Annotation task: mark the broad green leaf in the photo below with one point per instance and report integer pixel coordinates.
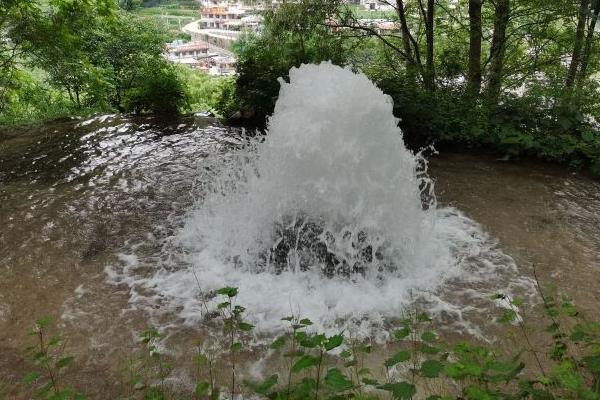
(429, 336)
(236, 346)
(44, 321)
(370, 382)
(306, 361)
(54, 340)
(346, 354)
(427, 349)
(245, 327)
(266, 385)
(202, 389)
(333, 342)
(223, 305)
(31, 377)
(64, 362)
(154, 394)
(336, 381)
(508, 316)
(228, 291)
(592, 363)
(305, 389)
(431, 368)
(401, 390)
(402, 333)
(399, 357)
(278, 343)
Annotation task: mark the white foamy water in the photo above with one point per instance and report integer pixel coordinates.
(330, 218)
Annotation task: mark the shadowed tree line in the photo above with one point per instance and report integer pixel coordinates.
(518, 75)
(66, 56)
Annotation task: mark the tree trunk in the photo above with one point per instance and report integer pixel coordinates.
(429, 77)
(475, 35)
(578, 46)
(498, 51)
(589, 41)
(411, 47)
(405, 32)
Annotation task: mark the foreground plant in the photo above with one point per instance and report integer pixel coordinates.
(322, 367)
(48, 354)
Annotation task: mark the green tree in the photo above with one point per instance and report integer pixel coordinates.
(293, 34)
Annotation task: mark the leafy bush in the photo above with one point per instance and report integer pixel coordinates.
(158, 90)
(292, 35)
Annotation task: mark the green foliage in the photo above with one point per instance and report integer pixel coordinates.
(293, 34)
(48, 355)
(206, 93)
(332, 367)
(70, 58)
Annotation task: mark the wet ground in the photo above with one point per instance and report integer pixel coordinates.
(73, 194)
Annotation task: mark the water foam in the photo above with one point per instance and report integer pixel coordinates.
(330, 218)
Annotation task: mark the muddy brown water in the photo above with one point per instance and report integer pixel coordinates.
(73, 193)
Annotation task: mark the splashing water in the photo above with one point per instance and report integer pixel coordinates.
(329, 218)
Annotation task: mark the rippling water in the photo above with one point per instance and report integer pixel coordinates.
(80, 198)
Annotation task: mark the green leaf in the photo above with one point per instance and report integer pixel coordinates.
(429, 336)
(154, 394)
(54, 340)
(427, 349)
(508, 316)
(459, 371)
(311, 342)
(304, 362)
(202, 389)
(288, 319)
(237, 346)
(333, 342)
(267, 384)
(305, 389)
(592, 363)
(400, 391)
(399, 357)
(306, 322)
(31, 377)
(578, 335)
(402, 333)
(43, 322)
(336, 381)
(370, 382)
(278, 343)
(477, 393)
(64, 362)
(431, 368)
(228, 291)
(367, 349)
(223, 305)
(346, 354)
(245, 327)
(517, 302)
